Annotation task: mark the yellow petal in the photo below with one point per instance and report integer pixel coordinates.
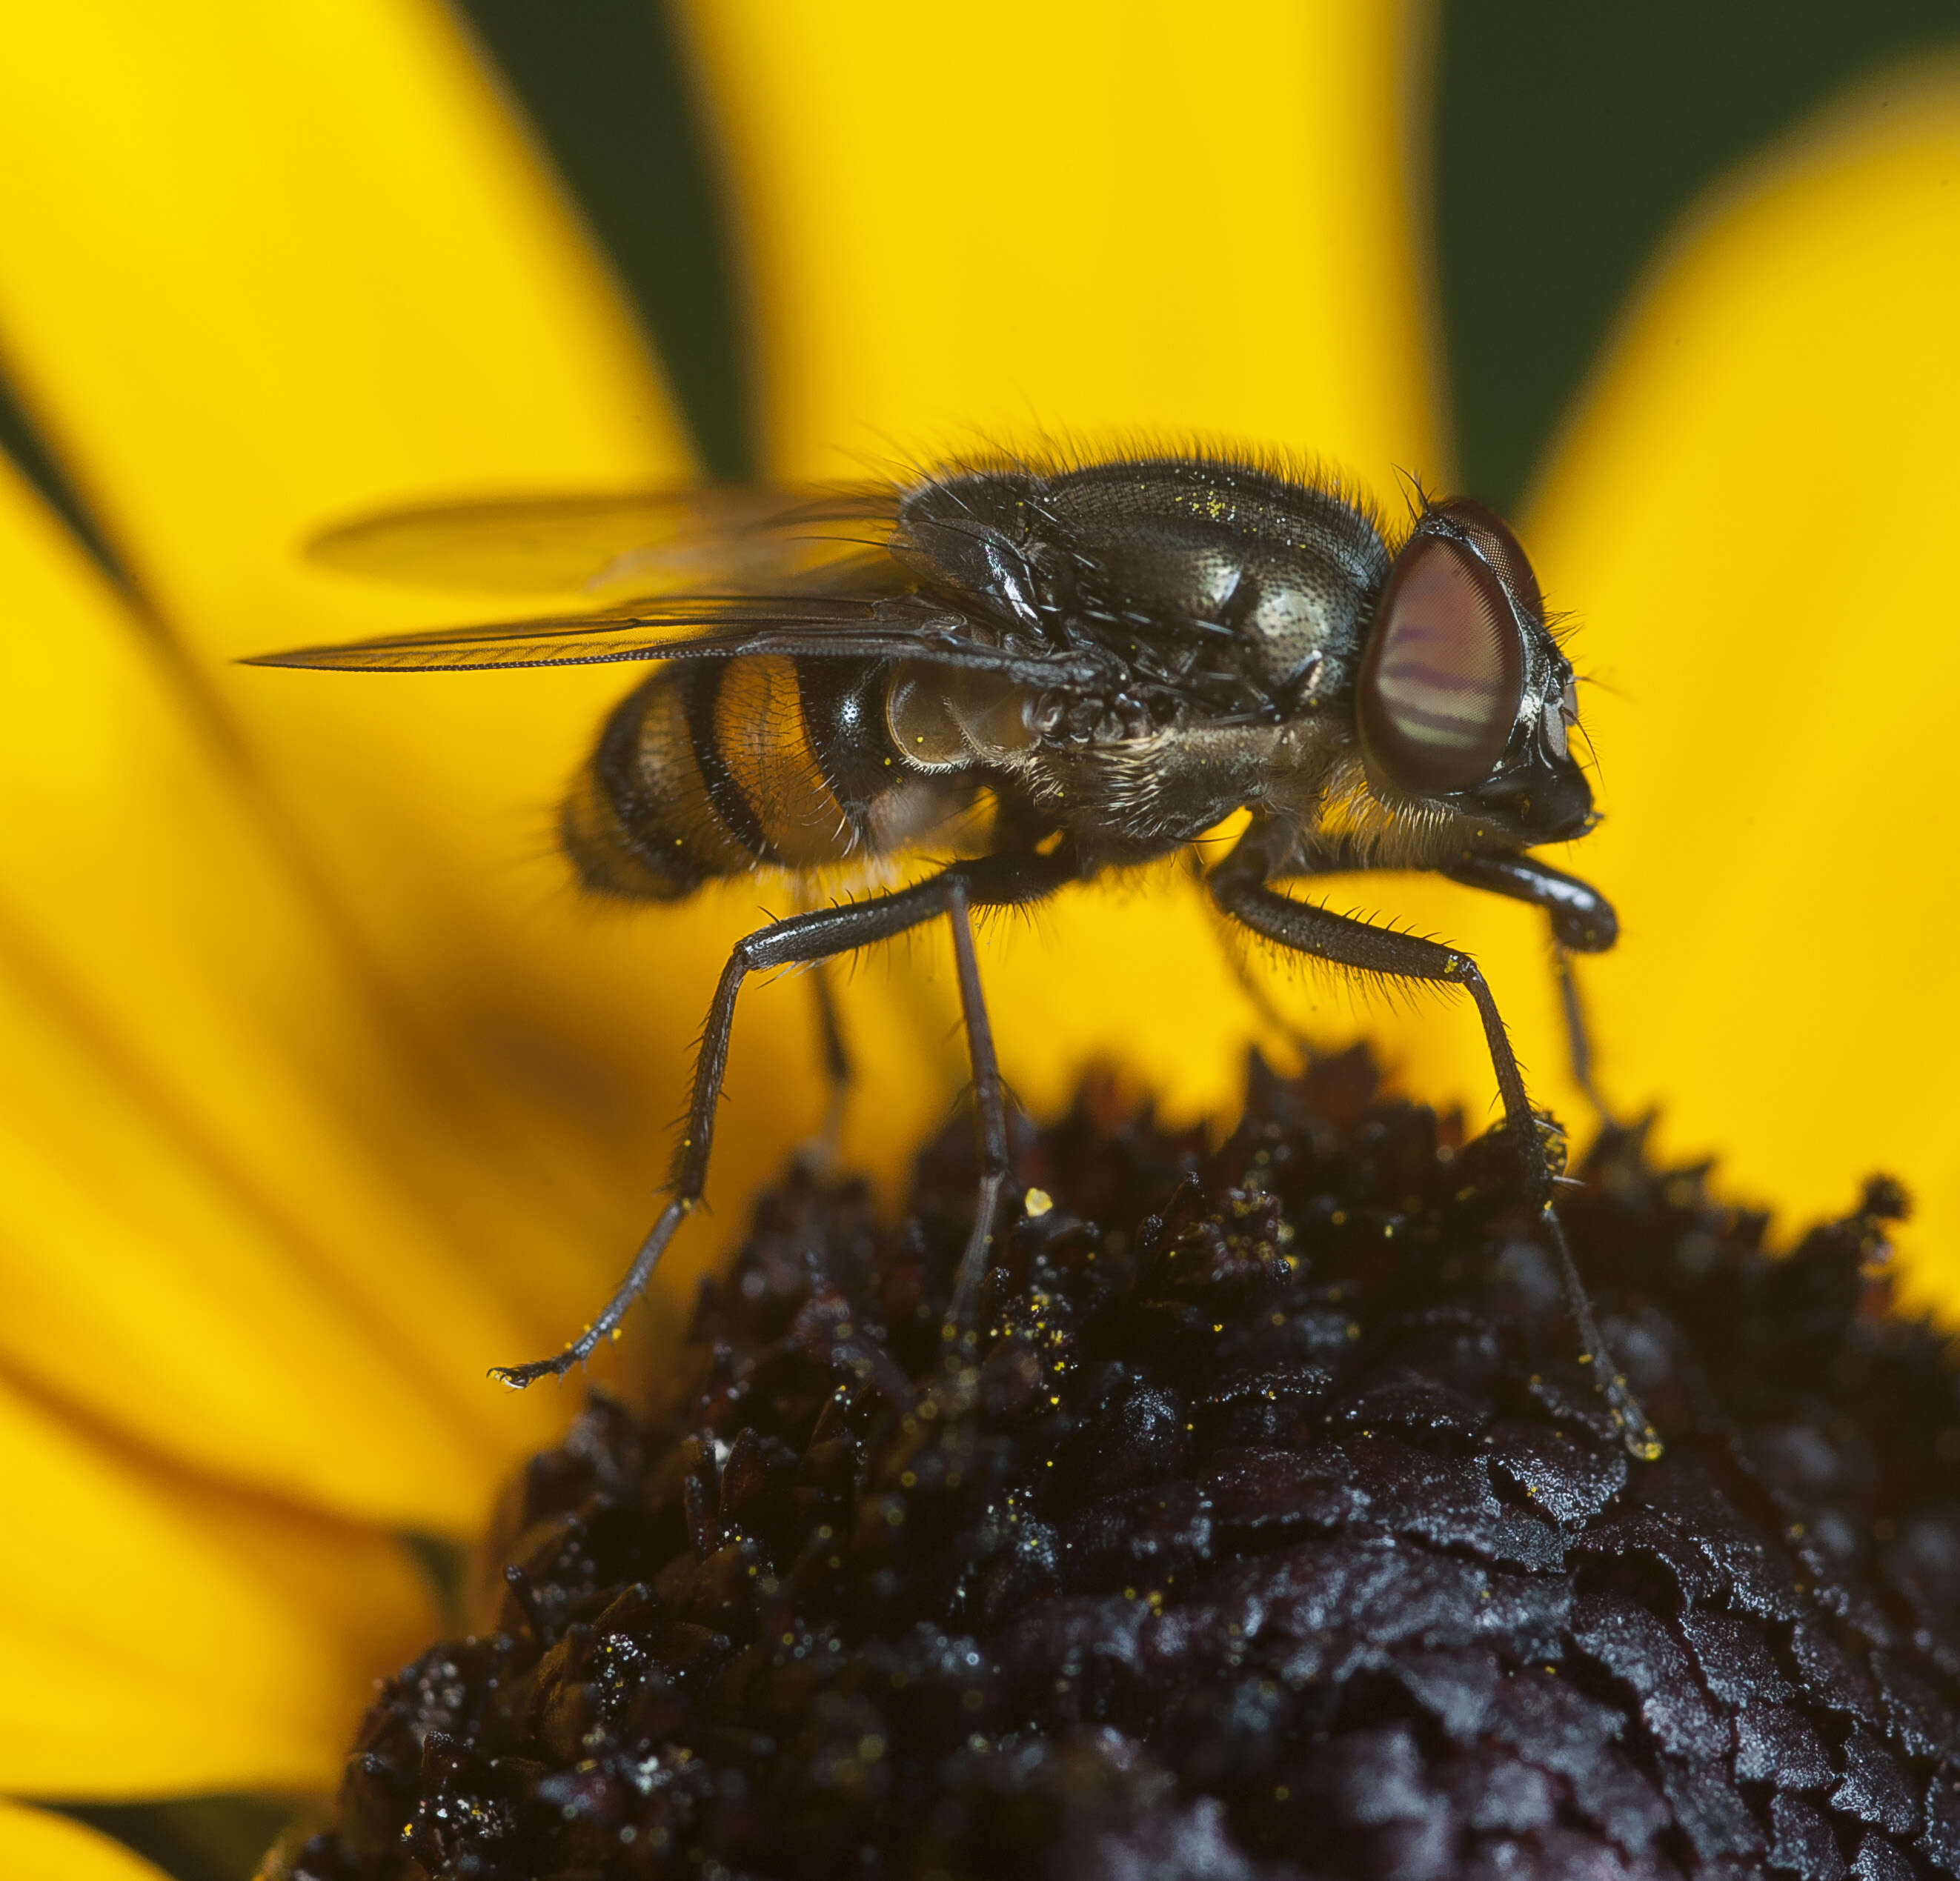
(1753, 516)
(1104, 220)
(34, 1843)
(270, 267)
(162, 1635)
(1114, 224)
(267, 268)
(236, 1223)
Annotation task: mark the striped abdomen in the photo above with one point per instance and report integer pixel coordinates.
(714, 769)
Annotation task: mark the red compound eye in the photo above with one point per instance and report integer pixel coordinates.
(1493, 538)
(1443, 672)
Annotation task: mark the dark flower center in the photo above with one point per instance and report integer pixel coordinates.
(1274, 1531)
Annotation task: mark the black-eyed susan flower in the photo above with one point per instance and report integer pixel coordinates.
(323, 1095)
(1279, 1531)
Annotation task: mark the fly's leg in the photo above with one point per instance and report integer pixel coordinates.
(1240, 887)
(990, 1114)
(802, 940)
(1259, 995)
(1578, 1037)
(1583, 922)
(1582, 919)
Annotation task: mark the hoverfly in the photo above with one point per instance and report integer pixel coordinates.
(1038, 674)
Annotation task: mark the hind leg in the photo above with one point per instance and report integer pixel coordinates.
(807, 939)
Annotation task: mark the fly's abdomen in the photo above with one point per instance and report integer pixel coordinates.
(640, 820)
(712, 770)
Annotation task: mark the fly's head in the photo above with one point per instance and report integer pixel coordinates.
(1464, 705)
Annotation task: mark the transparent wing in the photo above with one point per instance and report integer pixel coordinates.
(701, 627)
(715, 535)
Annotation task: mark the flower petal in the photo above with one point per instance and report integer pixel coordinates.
(1119, 224)
(1106, 221)
(264, 268)
(1753, 515)
(270, 267)
(160, 1634)
(33, 1842)
(236, 1224)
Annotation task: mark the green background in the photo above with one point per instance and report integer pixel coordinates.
(1568, 137)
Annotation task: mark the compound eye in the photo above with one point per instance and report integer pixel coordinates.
(1444, 671)
(1500, 547)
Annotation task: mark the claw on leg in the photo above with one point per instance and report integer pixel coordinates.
(610, 1315)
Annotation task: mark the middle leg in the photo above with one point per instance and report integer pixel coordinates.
(1243, 891)
(1583, 922)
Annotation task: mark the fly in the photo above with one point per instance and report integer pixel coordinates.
(1040, 673)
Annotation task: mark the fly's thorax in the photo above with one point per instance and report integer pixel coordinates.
(1130, 799)
(1121, 798)
(1175, 565)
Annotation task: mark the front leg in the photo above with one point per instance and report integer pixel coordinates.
(1582, 918)
(1241, 886)
(1583, 922)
